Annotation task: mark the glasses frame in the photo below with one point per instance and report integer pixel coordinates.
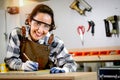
(40, 22)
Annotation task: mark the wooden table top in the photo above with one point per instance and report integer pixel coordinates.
(44, 75)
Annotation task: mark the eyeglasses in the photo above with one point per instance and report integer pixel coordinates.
(39, 23)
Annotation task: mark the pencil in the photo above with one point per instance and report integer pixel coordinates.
(26, 56)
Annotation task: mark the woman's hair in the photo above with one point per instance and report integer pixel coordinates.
(44, 9)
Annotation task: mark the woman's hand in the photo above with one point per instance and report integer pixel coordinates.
(30, 66)
(56, 70)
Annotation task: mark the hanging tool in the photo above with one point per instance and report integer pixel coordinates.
(107, 28)
(115, 27)
(81, 31)
(91, 25)
(86, 6)
(75, 6)
(114, 21)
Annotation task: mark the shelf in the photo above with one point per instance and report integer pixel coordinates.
(101, 58)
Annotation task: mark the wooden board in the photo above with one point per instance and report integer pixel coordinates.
(44, 75)
(105, 58)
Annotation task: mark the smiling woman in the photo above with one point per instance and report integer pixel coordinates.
(34, 47)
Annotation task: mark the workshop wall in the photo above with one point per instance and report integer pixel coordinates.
(67, 21)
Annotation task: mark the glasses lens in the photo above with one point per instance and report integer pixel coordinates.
(39, 23)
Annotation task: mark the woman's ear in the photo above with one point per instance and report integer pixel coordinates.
(29, 22)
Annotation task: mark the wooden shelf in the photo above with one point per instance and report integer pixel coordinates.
(101, 58)
(112, 56)
(95, 49)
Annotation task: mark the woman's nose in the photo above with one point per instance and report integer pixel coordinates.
(41, 28)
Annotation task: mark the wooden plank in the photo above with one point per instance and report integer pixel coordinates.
(96, 58)
(95, 49)
(60, 76)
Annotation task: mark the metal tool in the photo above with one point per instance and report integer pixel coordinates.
(81, 31)
(114, 21)
(75, 6)
(107, 28)
(86, 6)
(91, 25)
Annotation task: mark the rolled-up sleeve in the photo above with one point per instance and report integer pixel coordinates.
(13, 51)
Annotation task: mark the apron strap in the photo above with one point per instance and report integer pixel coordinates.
(23, 31)
(50, 40)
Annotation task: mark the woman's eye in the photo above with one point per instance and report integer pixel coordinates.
(38, 23)
(47, 26)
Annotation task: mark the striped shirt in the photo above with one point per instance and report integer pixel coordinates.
(58, 54)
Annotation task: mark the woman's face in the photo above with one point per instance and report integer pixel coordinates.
(40, 26)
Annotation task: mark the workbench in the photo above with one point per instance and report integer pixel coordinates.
(45, 75)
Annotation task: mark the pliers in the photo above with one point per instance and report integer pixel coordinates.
(91, 25)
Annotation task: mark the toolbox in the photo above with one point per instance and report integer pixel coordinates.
(109, 73)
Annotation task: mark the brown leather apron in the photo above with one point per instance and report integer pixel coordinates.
(34, 51)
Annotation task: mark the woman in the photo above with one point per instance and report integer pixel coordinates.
(38, 32)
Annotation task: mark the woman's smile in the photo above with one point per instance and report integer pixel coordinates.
(38, 34)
